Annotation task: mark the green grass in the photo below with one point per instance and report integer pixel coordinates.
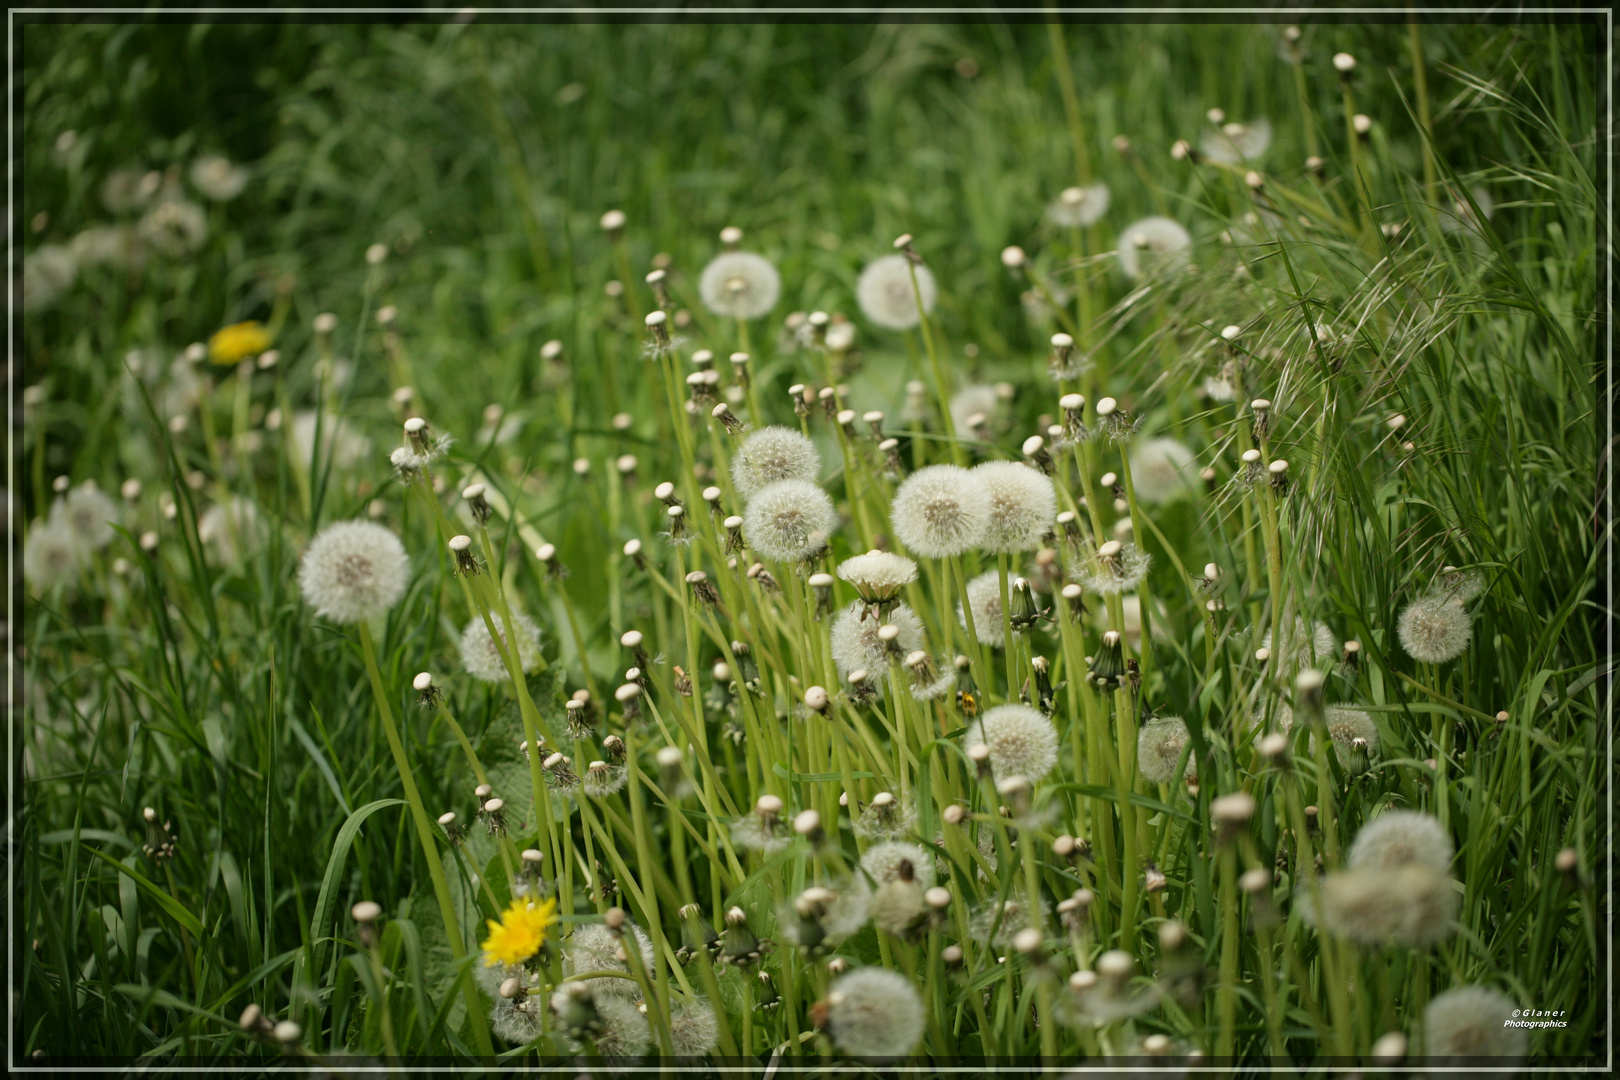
(203, 686)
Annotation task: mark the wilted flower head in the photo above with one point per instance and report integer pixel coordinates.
(941, 511)
(480, 656)
(1398, 837)
(1472, 1021)
(1154, 244)
(1023, 504)
(1079, 206)
(1162, 470)
(771, 454)
(1022, 742)
(52, 554)
(90, 513)
(1234, 144)
(1159, 747)
(354, 570)
(217, 178)
(874, 1013)
(886, 296)
(596, 948)
(1115, 568)
(984, 598)
(857, 645)
(970, 401)
(1434, 628)
(878, 576)
(789, 520)
(740, 285)
(895, 860)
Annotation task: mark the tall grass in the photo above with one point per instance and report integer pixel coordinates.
(192, 678)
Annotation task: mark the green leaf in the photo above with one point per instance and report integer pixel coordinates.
(334, 867)
(168, 903)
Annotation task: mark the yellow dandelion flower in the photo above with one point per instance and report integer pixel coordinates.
(238, 342)
(520, 933)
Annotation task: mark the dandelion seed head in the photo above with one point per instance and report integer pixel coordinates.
(884, 862)
(740, 285)
(1309, 644)
(941, 511)
(596, 948)
(353, 570)
(233, 528)
(480, 657)
(874, 1013)
(856, 643)
(984, 598)
(886, 818)
(217, 178)
(1117, 567)
(771, 454)
(1345, 725)
(1162, 470)
(878, 575)
(1159, 747)
(1153, 244)
(1234, 143)
(52, 555)
(1471, 1021)
(1015, 918)
(897, 907)
(885, 293)
(1411, 904)
(515, 1022)
(789, 520)
(975, 399)
(1398, 837)
(1434, 629)
(693, 1029)
(1022, 742)
(1023, 504)
(1078, 207)
(90, 513)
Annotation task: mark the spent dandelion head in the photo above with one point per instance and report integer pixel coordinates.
(878, 576)
(789, 520)
(740, 285)
(1023, 504)
(353, 570)
(885, 292)
(941, 511)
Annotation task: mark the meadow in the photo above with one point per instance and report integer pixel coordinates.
(861, 544)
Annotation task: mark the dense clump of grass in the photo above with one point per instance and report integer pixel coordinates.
(1243, 698)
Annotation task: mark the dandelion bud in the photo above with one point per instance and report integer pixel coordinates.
(1316, 166)
(816, 699)
(1181, 150)
(1075, 596)
(1230, 813)
(253, 1019)
(1027, 941)
(808, 823)
(1254, 180)
(1255, 881)
(1023, 613)
(511, 988)
(955, 814)
(874, 424)
(1344, 63)
(447, 819)
(657, 326)
(288, 1031)
(1108, 667)
(149, 814)
(1362, 123)
(1013, 257)
(1274, 747)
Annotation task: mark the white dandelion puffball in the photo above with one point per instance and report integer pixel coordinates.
(1407, 905)
(354, 570)
(625, 1032)
(885, 862)
(856, 644)
(1159, 747)
(693, 1029)
(1397, 837)
(940, 511)
(874, 1013)
(1234, 144)
(52, 555)
(973, 400)
(1311, 647)
(1115, 568)
(479, 655)
(90, 513)
(1154, 244)
(789, 520)
(1434, 628)
(347, 448)
(886, 296)
(514, 1023)
(1023, 505)
(48, 272)
(1345, 726)
(233, 528)
(984, 597)
(1471, 1021)
(1162, 470)
(594, 947)
(174, 228)
(740, 285)
(1077, 207)
(217, 178)
(878, 575)
(898, 907)
(771, 454)
(1022, 742)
